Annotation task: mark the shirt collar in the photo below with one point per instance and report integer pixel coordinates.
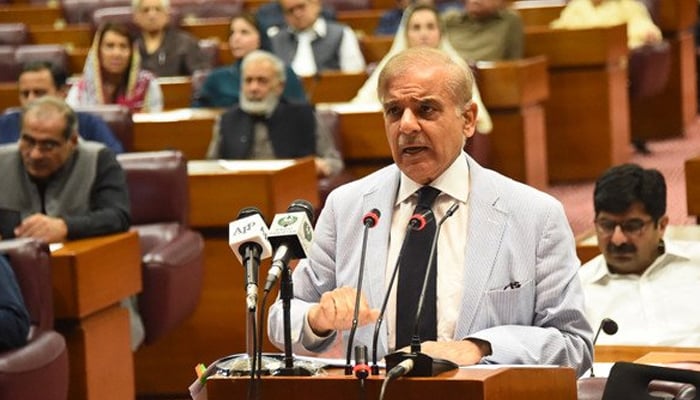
(451, 182)
(318, 29)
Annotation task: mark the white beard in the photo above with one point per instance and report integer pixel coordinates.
(260, 107)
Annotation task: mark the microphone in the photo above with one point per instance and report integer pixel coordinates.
(424, 365)
(361, 368)
(416, 223)
(369, 220)
(291, 234)
(607, 325)
(247, 237)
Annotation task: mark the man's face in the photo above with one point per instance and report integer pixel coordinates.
(35, 84)
(630, 252)
(151, 16)
(42, 143)
(425, 127)
(300, 14)
(482, 8)
(115, 53)
(261, 87)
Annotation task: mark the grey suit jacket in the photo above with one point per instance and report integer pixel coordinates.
(515, 233)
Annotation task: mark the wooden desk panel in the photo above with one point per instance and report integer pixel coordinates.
(71, 35)
(363, 22)
(538, 13)
(374, 48)
(677, 15)
(187, 130)
(90, 277)
(608, 353)
(587, 77)
(9, 95)
(333, 87)
(488, 384)
(218, 28)
(217, 194)
(177, 92)
(692, 186)
(31, 14)
(671, 357)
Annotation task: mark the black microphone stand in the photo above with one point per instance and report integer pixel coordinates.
(423, 364)
(286, 295)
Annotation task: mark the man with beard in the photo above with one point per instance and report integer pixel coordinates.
(264, 125)
(642, 281)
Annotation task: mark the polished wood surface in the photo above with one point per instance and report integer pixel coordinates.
(374, 48)
(90, 277)
(333, 86)
(188, 130)
(514, 93)
(363, 22)
(218, 28)
(610, 353)
(31, 14)
(538, 12)
(503, 383)
(71, 35)
(177, 92)
(9, 95)
(692, 186)
(671, 357)
(268, 185)
(588, 107)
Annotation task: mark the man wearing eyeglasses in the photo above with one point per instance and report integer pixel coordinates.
(63, 188)
(641, 280)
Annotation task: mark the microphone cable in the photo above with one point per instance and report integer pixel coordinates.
(400, 369)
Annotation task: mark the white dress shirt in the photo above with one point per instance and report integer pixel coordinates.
(656, 308)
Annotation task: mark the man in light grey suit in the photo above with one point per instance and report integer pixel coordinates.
(507, 289)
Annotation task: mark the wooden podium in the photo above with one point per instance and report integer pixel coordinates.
(504, 383)
(90, 277)
(218, 191)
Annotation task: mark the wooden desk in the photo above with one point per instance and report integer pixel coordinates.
(71, 35)
(475, 384)
(670, 357)
(333, 86)
(692, 186)
(588, 107)
(374, 48)
(188, 130)
(177, 92)
(363, 22)
(514, 93)
(269, 185)
(218, 28)
(609, 353)
(31, 14)
(218, 325)
(538, 12)
(90, 278)
(9, 95)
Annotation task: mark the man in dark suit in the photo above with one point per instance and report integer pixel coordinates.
(14, 318)
(264, 125)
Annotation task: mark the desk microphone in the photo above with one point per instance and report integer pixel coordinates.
(369, 220)
(416, 223)
(247, 237)
(424, 365)
(290, 234)
(608, 326)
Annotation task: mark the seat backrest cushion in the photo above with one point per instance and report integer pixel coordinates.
(158, 186)
(118, 118)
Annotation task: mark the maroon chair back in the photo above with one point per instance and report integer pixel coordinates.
(54, 53)
(13, 34)
(80, 11)
(9, 69)
(39, 369)
(118, 118)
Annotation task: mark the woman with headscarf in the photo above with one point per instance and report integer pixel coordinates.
(421, 26)
(113, 74)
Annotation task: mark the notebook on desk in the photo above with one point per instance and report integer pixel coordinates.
(9, 219)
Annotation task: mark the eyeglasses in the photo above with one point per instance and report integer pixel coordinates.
(43, 145)
(630, 227)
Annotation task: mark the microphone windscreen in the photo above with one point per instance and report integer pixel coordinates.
(609, 326)
(371, 218)
(301, 205)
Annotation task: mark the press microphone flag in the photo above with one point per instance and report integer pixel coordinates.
(248, 241)
(291, 235)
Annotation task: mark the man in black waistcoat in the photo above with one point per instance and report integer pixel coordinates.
(264, 125)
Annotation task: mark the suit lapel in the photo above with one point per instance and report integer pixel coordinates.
(486, 227)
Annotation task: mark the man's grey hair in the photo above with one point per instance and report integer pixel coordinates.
(47, 105)
(262, 55)
(135, 4)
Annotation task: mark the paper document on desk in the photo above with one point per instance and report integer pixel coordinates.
(257, 165)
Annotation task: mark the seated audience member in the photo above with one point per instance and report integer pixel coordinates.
(312, 44)
(269, 18)
(421, 27)
(391, 19)
(641, 280)
(64, 188)
(41, 78)
(222, 86)
(14, 318)
(265, 125)
(113, 74)
(505, 289)
(486, 30)
(579, 14)
(165, 49)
